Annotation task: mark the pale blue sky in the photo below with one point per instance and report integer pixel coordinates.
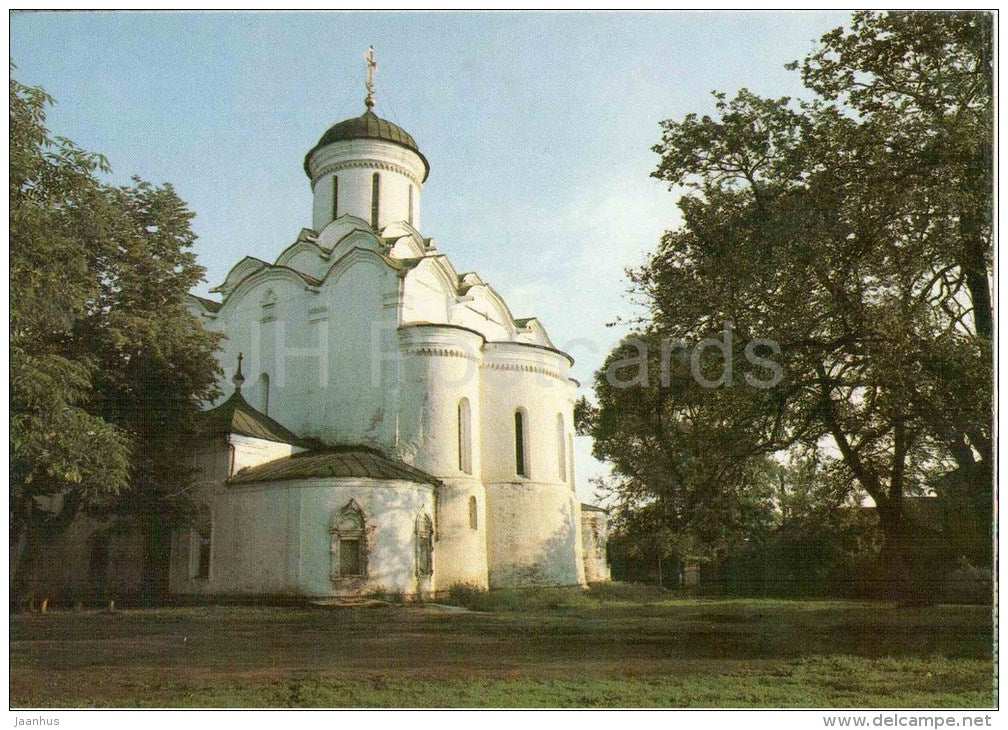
(538, 128)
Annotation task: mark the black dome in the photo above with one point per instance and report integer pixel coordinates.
(368, 126)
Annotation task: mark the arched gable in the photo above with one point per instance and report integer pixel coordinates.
(468, 280)
(243, 269)
(406, 247)
(483, 301)
(406, 240)
(357, 238)
(530, 330)
(305, 256)
(277, 274)
(440, 267)
(332, 234)
(429, 290)
(351, 258)
(200, 306)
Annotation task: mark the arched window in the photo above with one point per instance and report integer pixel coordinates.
(570, 459)
(374, 200)
(347, 555)
(203, 570)
(561, 446)
(335, 197)
(264, 393)
(410, 205)
(464, 437)
(473, 523)
(424, 545)
(521, 450)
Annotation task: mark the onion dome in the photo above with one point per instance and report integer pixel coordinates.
(368, 126)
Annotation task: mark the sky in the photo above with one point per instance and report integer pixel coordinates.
(538, 128)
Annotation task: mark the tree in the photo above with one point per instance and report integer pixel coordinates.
(683, 480)
(107, 366)
(853, 232)
(825, 540)
(925, 80)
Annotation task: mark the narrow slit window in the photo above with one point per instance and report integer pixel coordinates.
(473, 517)
(203, 566)
(411, 205)
(464, 436)
(335, 197)
(570, 460)
(264, 392)
(425, 545)
(375, 187)
(521, 465)
(561, 442)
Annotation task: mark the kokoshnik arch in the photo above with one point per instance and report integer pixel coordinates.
(328, 471)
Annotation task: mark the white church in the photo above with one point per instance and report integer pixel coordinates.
(386, 424)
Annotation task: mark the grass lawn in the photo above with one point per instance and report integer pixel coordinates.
(614, 646)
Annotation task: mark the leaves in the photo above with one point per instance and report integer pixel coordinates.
(108, 368)
(854, 232)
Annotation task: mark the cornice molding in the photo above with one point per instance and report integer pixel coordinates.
(442, 352)
(369, 163)
(524, 369)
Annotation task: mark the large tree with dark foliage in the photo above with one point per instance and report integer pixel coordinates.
(853, 230)
(108, 368)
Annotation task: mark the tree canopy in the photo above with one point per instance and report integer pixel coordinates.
(108, 367)
(853, 231)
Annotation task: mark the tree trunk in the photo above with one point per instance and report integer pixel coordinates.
(898, 570)
(895, 566)
(975, 247)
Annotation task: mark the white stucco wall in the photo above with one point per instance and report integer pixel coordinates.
(440, 366)
(274, 538)
(249, 452)
(318, 347)
(214, 460)
(533, 535)
(461, 547)
(533, 521)
(534, 379)
(426, 295)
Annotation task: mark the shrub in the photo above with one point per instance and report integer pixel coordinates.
(519, 599)
(468, 596)
(632, 592)
(380, 594)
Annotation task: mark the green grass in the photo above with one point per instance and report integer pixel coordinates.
(613, 646)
